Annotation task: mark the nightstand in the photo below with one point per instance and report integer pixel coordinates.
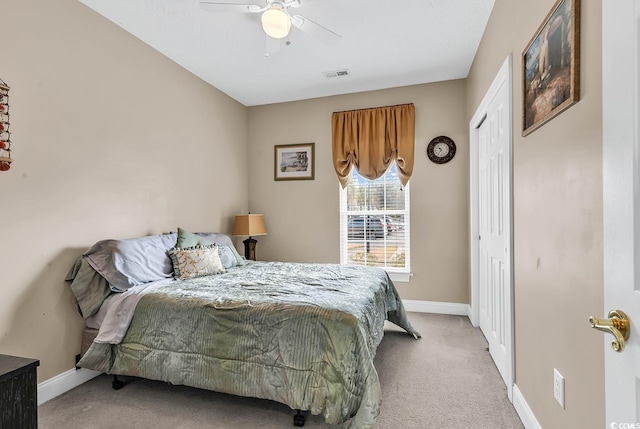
(18, 392)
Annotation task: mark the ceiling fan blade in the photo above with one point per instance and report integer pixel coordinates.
(292, 3)
(230, 7)
(308, 26)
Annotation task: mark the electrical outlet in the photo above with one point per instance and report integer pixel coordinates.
(558, 387)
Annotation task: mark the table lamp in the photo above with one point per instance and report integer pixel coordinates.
(249, 224)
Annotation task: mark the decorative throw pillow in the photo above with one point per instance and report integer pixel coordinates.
(189, 239)
(196, 262)
(239, 260)
(226, 256)
(228, 253)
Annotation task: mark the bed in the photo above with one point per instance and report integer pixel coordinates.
(304, 335)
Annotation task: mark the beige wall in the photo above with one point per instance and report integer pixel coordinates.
(107, 134)
(557, 176)
(302, 217)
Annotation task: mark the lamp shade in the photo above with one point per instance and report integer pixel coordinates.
(276, 23)
(249, 224)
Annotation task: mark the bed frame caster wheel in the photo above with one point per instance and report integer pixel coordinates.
(298, 419)
(117, 384)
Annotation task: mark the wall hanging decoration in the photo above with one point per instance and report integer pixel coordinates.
(441, 149)
(5, 134)
(551, 66)
(294, 162)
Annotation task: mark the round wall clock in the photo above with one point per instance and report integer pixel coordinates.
(441, 149)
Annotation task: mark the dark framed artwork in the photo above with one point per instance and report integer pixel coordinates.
(294, 162)
(5, 134)
(551, 66)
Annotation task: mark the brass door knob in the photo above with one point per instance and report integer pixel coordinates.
(617, 324)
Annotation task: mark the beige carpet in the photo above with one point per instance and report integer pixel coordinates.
(445, 380)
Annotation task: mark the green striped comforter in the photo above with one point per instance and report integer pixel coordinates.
(301, 334)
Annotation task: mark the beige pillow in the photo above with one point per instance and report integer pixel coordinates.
(196, 262)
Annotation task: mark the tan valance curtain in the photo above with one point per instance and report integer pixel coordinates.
(371, 139)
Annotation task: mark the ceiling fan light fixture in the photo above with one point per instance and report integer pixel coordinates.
(276, 23)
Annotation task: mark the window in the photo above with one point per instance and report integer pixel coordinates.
(374, 223)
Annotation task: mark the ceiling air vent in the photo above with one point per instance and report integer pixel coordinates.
(337, 73)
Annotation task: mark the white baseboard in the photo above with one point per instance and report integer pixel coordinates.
(522, 408)
(61, 383)
(452, 308)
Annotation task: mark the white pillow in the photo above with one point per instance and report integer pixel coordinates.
(196, 262)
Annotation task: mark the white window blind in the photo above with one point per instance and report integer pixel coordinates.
(375, 224)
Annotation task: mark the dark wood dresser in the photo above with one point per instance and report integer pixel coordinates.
(18, 392)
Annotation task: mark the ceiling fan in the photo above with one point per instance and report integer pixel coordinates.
(276, 19)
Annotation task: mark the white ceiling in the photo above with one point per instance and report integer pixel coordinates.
(384, 44)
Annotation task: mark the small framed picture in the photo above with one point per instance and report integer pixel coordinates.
(294, 162)
(551, 66)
